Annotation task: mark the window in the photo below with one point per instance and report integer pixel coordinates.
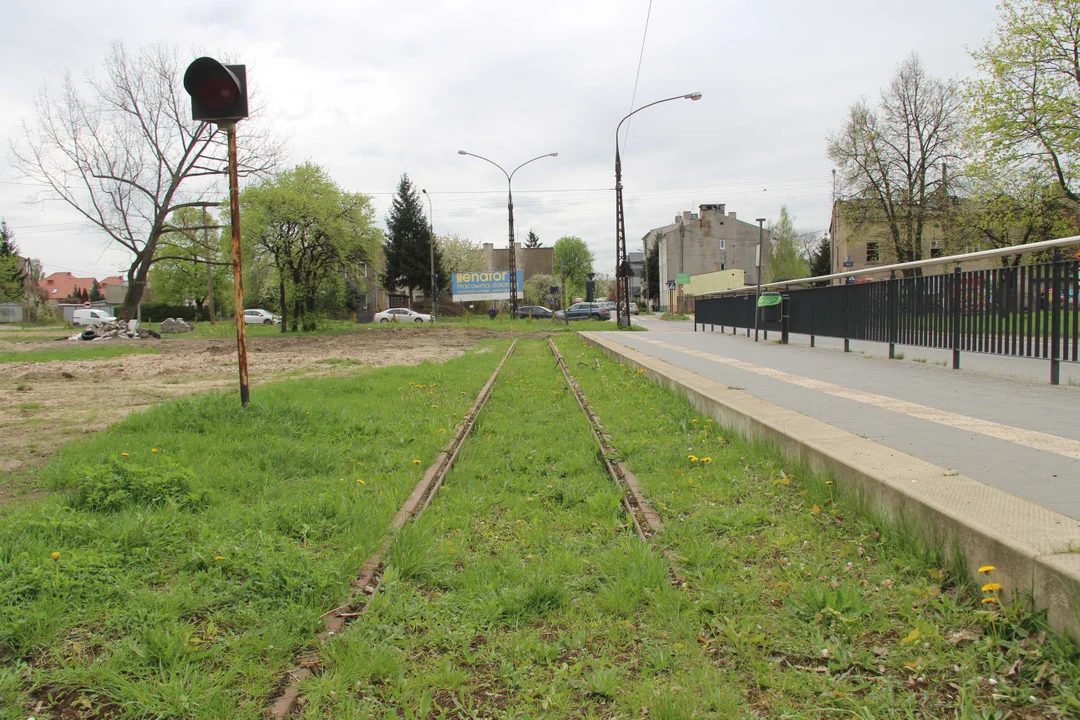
(872, 252)
(935, 249)
(723, 244)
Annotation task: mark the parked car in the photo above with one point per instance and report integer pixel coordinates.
(254, 316)
(536, 311)
(90, 317)
(401, 315)
(584, 311)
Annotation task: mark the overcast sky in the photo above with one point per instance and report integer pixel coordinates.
(373, 89)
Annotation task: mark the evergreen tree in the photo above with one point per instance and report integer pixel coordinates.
(95, 291)
(532, 241)
(408, 244)
(652, 258)
(821, 259)
(11, 277)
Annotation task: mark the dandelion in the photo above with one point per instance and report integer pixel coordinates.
(991, 587)
(692, 458)
(442, 430)
(434, 407)
(706, 460)
(55, 556)
(361, 481)
(693, 421)
(153, 449)
(56, 566)
(462, 392)
(990, 599)
(987, 568)
(416, 462)
(828, 482)
(219, 558)
(123, 454)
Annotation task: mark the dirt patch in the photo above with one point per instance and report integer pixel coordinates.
(44, 405)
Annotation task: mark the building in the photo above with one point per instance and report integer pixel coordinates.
(530, 261)
(637, 280)
(706, 242)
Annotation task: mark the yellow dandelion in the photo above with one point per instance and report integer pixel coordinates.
(361, 481)
(55, 556)
(828, 482)
(987, 568)
(990, 599)
(442, 430)
(692, 458)
(991, 587)
(123, 454)
(219, 558)
(706, 460)
(399, 388)
(693, 421)
(462, 392)
(416, 462)
(153, 449)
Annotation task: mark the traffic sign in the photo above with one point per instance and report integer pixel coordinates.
(848, 263)
(671, 285)
(682, 278)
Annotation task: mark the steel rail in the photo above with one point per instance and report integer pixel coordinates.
(369, 578)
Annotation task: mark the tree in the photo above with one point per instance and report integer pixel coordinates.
(460, 254)
(180, 272)
(11, 275)
(314, 232)
(893, 158)
(538, 287)
(1025, 104)
(652, 258)
(121, 150)
(785, 260)
(573, 261)
(821, 258)
(532, 240)
(408, 243)
(95, 291)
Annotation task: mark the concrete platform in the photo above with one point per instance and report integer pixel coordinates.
(1035, 549)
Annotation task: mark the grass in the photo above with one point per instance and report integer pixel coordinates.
(815, 607)
(523, 591)
(197, 543)
(674, 316)
(79, 351)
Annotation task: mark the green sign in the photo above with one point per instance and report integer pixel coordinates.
(682, 278)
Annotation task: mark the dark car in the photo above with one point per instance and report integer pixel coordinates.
(584, 311)
(536, 311)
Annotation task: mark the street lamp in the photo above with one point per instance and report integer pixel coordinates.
(757, 263)
(431, 248)
(510, 208)
(622, 262)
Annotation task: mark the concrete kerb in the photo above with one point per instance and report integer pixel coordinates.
(1036, 551)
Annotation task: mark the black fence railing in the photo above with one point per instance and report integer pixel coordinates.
(1025, 311)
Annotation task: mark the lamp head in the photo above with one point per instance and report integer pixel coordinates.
(693, 96)
(554, 155)
(462, 152)
(423, 191)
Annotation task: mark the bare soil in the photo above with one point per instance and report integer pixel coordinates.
(44, 405)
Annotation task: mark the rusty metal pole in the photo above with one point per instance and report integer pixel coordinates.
(238, 277)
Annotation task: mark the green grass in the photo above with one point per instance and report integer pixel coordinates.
(815, 607)
(674, 316)
(523, 591)
(200, 542)
(79, 351)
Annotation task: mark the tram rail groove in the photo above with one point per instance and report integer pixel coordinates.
(646, 520)
(369, 578)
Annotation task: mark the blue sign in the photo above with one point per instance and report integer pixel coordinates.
(484, 285)
(848, 263)
(671, 285)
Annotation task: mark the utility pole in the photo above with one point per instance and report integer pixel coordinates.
(645, 290)
(431, 251)
(757, 263)
(209, 269)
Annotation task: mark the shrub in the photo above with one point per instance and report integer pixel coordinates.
(115, 485)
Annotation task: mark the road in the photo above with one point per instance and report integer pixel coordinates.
(1020, 435)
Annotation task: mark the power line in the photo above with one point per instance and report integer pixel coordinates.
(641, 55)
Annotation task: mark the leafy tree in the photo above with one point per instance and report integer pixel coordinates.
(532, 241)
(180, 273)
(460, 254)
(314, 233)
(893, 157)
(537, 288)
(821, 258)
(573, 261)
(121, 150)
(785, 261)
(408, 243)
(11, 276)
(1025, 104)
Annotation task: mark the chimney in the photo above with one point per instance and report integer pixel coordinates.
(489, 247)
(732, 215)
(686, 216)
(517, 246)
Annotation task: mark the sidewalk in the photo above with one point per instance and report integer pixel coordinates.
(1019, 435)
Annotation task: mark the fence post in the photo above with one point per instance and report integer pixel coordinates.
(784, 320)
(844, 313)
(1055, 321)
(956, 319)
(891, 299)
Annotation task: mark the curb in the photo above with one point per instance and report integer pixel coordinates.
(1036, 551)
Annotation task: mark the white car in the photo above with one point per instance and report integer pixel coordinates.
(260, 317)
(90, 317)
(401, 315)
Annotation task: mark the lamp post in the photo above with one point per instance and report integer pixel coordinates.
(431, 249)
(757, 263)
(622, 262)
(510, 209)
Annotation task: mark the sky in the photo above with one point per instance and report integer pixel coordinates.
(373, 89)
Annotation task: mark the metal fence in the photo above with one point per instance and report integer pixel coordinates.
(1025, 311)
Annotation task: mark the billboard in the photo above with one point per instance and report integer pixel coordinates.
(484, 285)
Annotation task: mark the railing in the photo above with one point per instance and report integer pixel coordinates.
(1024, 311)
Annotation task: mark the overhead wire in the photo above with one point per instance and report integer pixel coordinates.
(637, 76)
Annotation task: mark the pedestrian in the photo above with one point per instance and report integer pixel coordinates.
(491, 312)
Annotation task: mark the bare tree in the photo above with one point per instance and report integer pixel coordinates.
(122, 150)
(894, 158)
